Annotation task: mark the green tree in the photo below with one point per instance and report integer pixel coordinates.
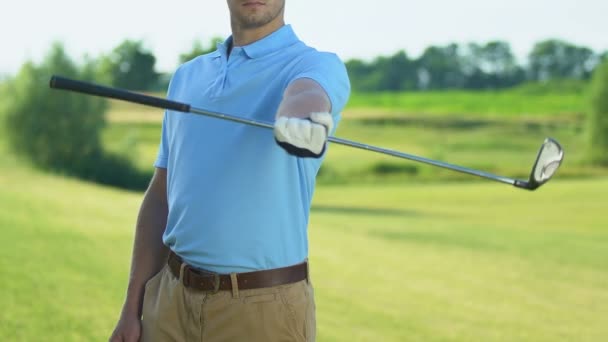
(199, 49)
(54, 130)
(131, 66)
(397, 72)
(492, 65)
(603, 57)
(597, 124)
(441, 67)
(359, 73)
(61, 131)
(393, 73)
(557, 59)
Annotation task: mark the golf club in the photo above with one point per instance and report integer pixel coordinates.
(548, 160)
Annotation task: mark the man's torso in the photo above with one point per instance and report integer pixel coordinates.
(237, 201)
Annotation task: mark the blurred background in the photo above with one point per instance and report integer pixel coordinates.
(400, 251)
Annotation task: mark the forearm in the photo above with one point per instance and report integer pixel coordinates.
(302, 104)
(149, 252)
(303, 97)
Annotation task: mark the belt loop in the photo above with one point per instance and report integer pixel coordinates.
(182, 273)
(235, 285)
(307, 271)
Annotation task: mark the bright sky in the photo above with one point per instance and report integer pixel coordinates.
(351, 28)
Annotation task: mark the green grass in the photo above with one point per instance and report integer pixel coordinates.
(461, 263)
(60, 267)
(525, 101)
(136, 140)
(486, 103)
(507, 148)
(390, 263)
(399, 251)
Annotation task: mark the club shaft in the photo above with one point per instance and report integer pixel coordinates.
(222, 116)
(366, 147)
(58, 82)
(423, 160)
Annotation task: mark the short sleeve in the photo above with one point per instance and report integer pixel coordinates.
(162, 157)
(330, 72)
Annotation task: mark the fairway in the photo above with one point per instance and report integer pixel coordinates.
(445, 181)
(399, 251)
(472, 262)
(440, 262)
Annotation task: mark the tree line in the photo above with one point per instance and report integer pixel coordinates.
(61, 131)
(132, 66)
(473, 66)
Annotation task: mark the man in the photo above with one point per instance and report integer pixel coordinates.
(221, 246)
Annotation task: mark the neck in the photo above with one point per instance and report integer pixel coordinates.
(245, 36)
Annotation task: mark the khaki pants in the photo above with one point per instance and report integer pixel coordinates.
(172, 312)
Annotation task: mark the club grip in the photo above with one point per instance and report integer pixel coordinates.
(58, 82)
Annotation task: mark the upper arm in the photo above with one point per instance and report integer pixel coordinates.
(324, 72)
(158, 185)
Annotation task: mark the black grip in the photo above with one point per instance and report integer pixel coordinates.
(59, 82)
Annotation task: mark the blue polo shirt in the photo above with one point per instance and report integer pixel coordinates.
(237, 201)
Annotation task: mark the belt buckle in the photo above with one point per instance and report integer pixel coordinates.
(215, 278)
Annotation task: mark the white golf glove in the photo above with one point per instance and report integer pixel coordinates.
(304, 137)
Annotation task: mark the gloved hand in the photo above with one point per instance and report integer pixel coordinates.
(304, 137)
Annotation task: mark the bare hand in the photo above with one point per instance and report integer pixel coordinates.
(128, 329)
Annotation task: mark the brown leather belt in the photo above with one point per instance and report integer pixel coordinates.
(207, 281)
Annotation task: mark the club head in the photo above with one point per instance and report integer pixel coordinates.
(549, 159)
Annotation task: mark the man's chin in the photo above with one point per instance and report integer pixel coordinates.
(254, 23)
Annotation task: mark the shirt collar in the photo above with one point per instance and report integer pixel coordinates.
(279, 39)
